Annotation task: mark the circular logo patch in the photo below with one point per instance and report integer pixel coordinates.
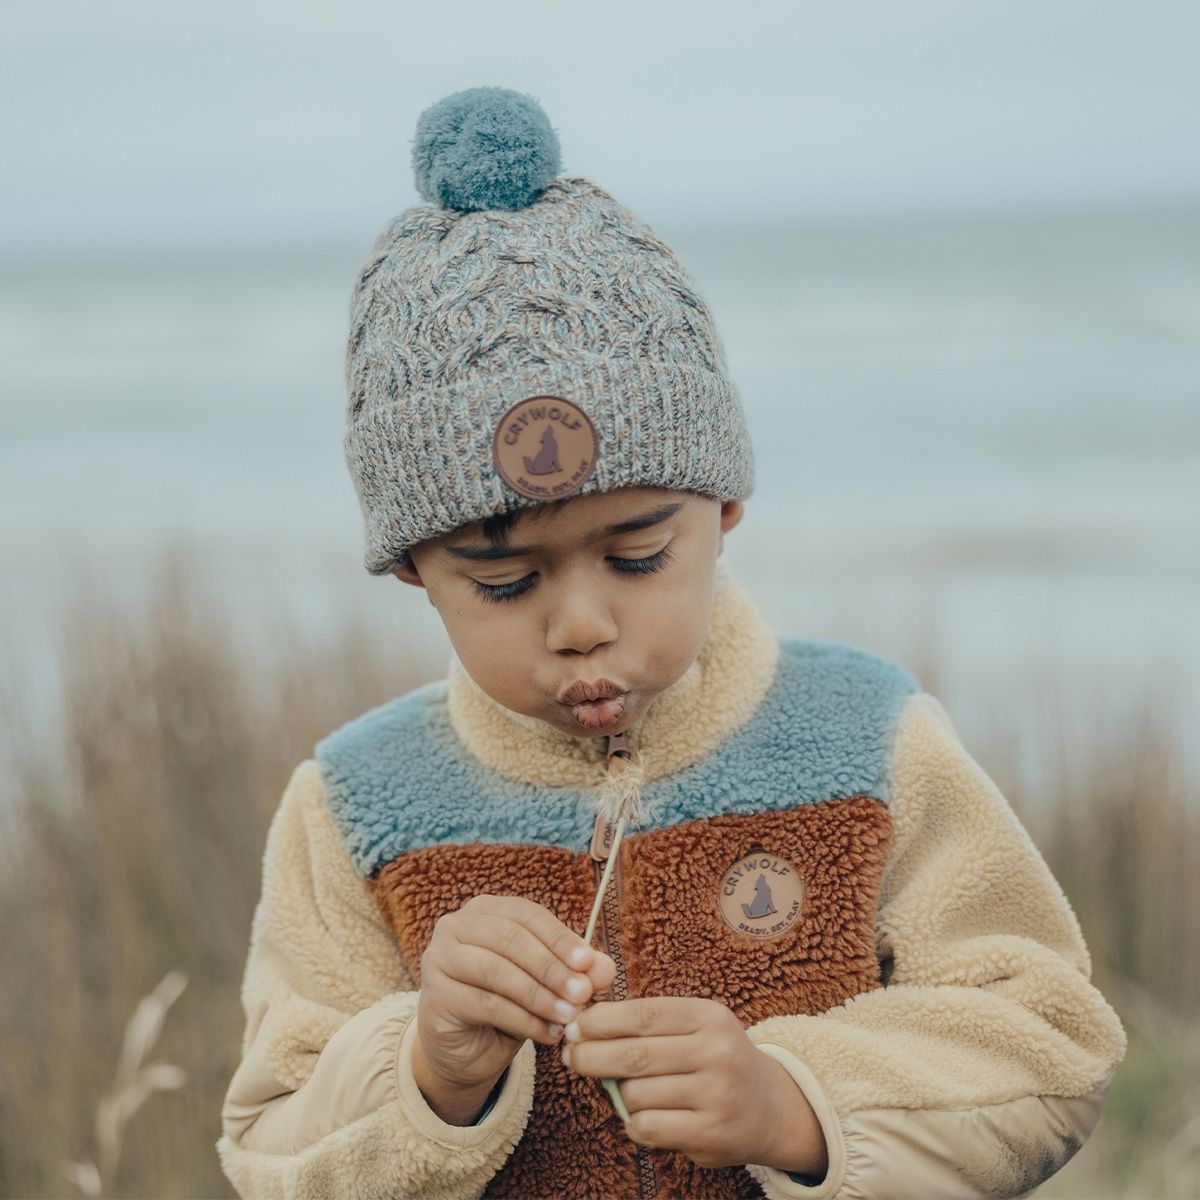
(761, 895)
(545, 447)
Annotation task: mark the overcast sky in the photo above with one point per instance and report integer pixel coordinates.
(152, 125)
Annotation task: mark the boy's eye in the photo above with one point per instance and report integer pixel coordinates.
(626, 566)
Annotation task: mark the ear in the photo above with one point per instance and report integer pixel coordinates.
(731, 514)
(406, 571)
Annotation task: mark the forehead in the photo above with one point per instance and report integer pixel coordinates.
(579, 519)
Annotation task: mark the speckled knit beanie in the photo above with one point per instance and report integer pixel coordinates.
(523, 338)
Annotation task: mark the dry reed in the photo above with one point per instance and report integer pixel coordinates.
(136, 1081)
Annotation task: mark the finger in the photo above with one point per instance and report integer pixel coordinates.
(483, 968)
(632, 1058)
(478, 1006)
(659, 1091)
(513, 941)
(649, 1016)
(668, 1129)
(602, 972)
(562, 941)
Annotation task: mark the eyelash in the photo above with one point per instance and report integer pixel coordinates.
(636, 566)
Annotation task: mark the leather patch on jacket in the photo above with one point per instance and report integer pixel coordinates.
(760, 895)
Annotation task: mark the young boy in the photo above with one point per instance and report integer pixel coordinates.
(828, 960)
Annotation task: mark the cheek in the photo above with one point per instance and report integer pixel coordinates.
(673, 630)
(487, 648)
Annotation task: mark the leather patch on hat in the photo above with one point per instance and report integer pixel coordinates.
(545, 447)
(761, 895)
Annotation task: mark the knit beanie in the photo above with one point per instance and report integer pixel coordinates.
(523, 338)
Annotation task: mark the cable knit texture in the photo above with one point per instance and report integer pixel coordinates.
(460, 313)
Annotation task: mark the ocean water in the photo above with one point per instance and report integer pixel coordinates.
(977, 436)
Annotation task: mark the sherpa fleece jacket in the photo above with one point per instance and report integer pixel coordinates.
(818, 852)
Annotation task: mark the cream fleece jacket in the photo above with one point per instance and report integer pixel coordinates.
(976, 1070)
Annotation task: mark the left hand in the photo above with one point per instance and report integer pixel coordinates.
(694, 1082)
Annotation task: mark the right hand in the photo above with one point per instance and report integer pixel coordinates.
(497, 971)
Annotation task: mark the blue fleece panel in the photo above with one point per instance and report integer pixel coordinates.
(397, 777)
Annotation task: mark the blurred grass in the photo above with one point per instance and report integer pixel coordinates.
(135, 847)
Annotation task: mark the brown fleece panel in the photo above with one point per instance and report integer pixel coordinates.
(414, 890)
(674, 943)
(569, 1110)
(678, 945)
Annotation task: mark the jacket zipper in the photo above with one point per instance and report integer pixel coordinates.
(602, 838)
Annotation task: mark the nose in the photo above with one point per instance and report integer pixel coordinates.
(580, 620)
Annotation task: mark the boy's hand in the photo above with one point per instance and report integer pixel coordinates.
(694, 1082)
(499, 970)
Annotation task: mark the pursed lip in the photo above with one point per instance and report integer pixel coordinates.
(599, 689)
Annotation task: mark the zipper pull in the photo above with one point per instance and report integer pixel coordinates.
(602, 839)
(617, 748)
(618, 743)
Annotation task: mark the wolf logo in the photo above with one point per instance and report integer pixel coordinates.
(545, 462)
(762, 905)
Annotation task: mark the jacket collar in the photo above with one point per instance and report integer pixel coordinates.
(715, 696)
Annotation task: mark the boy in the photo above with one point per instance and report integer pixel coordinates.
(828, 961)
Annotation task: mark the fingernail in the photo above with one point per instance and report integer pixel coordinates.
(572, 1031)
(576, 987)
(578, 956)
(566, 1055)
(564, 1010)
(556, 1031)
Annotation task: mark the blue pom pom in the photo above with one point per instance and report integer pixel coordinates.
(485, 147)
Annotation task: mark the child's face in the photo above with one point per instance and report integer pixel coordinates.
(555, 603)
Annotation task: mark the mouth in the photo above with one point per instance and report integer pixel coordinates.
(595, 705)
(600, 689)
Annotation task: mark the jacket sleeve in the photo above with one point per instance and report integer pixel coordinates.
(323, 1102)
(982, 1064)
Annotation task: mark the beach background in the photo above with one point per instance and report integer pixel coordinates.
(954, 254)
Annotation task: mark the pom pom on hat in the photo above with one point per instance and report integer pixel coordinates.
(484, 147)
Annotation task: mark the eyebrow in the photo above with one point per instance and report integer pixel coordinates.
(492, 553)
